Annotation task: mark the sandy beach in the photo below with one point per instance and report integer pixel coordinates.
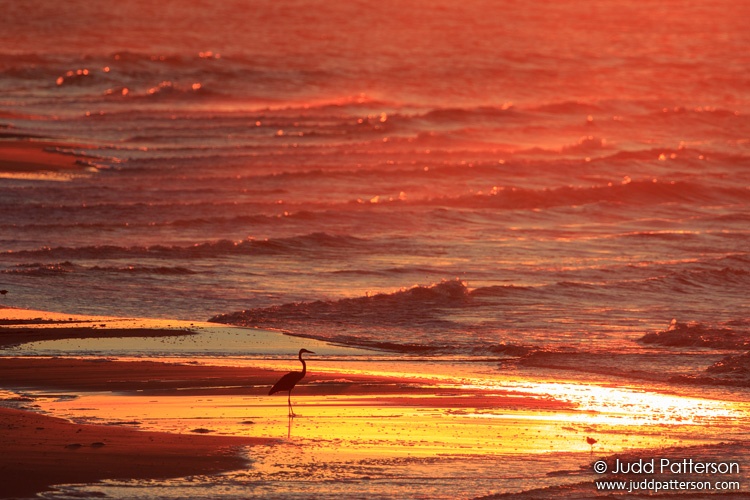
(39, 158)
(41, 451)
(83, 418)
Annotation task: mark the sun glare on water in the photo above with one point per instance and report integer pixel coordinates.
(427, 417)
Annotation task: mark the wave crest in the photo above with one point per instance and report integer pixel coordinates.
(397, 307)
(310, 243)
(697, 335)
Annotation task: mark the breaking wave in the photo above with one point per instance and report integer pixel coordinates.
(698, 335)
(405, 306)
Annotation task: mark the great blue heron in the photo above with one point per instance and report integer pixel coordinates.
(288, 381)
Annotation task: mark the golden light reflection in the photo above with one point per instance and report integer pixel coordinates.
(636, 407)
(435, 418)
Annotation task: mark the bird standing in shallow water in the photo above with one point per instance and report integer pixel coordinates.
(591, 441)
(288, 381)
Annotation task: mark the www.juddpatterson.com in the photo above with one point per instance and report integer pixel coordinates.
(666, 467)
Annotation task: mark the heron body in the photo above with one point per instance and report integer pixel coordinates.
(288, 381)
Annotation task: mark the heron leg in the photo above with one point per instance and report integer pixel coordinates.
(291, 410)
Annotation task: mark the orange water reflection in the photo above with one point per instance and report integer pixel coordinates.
(442, 417)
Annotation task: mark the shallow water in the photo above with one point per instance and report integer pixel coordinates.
(388, 446)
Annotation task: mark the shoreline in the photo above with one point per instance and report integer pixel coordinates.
(34, 155)
(39, 158)
(40, 451)
(358, 411)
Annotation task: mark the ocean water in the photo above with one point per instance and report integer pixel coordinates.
(543, 182)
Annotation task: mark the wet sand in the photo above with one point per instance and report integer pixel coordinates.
(169, 418)
(32, 156)
(40, 451)
(17, 335)
(349, 417)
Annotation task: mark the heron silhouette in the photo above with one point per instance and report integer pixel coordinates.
(288, 381)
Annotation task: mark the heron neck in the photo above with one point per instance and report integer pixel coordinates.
(304, 366)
